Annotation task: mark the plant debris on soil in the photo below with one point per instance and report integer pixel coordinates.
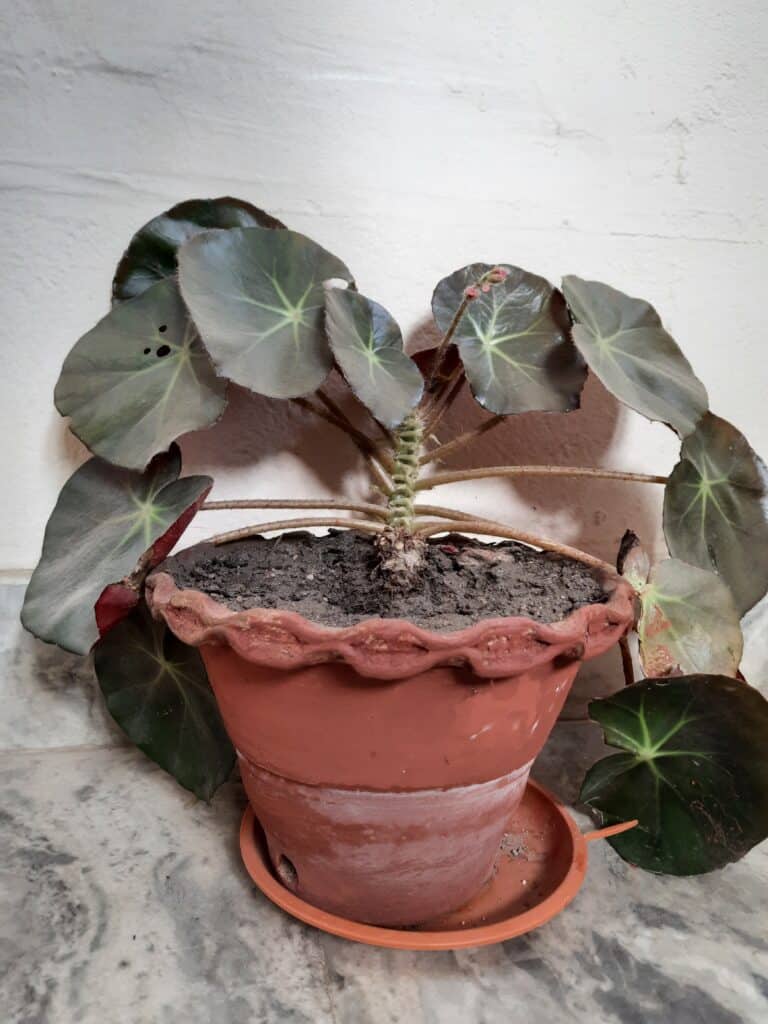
(333, 580)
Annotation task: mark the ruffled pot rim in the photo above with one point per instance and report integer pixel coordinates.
(393, 648)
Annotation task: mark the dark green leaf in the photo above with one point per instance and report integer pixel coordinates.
(151, 256)
(368, 347)
(694, 774)
(716, 509)
(106, 522)
(157, 691)
(625, 345)
(513, 340)
(139, 380)
(257, 299)
(688, 622)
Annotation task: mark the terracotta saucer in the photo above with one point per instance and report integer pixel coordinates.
(541, 864)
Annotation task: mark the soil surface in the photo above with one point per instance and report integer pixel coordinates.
(333, 580)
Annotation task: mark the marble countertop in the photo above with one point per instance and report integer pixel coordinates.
(124, 902)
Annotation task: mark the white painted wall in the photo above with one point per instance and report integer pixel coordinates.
(622, 140)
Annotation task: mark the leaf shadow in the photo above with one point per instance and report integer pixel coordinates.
(254, 430)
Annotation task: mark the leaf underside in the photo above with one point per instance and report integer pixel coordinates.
(139, 379)
(257, 299)
(693, 772)
(368, 347)
(105, 520)
(157, 690)
(716, 509)
(151, 255)
(513, 341)
(626, 347)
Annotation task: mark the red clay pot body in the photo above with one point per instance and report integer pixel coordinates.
(383, 760)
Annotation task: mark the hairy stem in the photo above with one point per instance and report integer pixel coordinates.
(461, 441)
(376, 511)
(405, 474)
(491, 529)
(551, 471)
(363, 525)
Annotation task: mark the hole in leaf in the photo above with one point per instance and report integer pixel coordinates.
(287, 873)
(147, 351)
(163, 328)
(163, 350)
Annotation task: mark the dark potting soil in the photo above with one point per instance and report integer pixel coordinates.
(333, 580)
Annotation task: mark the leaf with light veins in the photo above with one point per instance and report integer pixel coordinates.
(257, 299)
(513, 340)
(157, 690)
(106, 523)
(716, 509)
(688, 622)
(139, 379)
(625, 345)
(368, 347)
(693, 772)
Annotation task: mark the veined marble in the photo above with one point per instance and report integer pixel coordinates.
(123, 901)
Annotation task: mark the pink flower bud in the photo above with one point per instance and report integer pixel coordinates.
(471, 292)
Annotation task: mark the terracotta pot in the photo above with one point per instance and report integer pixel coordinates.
(384, 760)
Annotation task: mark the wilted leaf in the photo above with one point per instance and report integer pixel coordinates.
(139, 379)
(151, 256)
(716, 509)
(688, 622)
(157, 690)
(368, 347)
(257, 299)
(625, 345)
(513, 340)
(694, 774)
(107, 521)
(632, 560)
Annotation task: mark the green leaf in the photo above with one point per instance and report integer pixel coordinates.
(513, 340)
(716, 509)
(107, 523)
(151, 256)
(625, 345)
(694, 774)
(157, 690)
(139, 379)
(688, 622)
(368, 348)
(257, 299)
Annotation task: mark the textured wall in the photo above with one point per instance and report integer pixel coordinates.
(624, 141)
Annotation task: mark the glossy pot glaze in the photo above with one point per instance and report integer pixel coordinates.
(383, 760)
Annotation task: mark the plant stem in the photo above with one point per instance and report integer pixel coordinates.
(408, 440)
(364, 526)
(626, 662)
(449, 393)
(445, 341)
(363, 443)
(491, 529)
(551, 471)
(463, 439)
(377, 511)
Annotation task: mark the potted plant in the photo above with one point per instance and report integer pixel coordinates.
(386, 686)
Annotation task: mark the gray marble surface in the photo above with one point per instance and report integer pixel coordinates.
(123, 901)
